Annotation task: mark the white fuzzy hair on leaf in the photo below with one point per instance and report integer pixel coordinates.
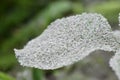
(115, 63)
(68, 40)
(115, 60)
(116, 34)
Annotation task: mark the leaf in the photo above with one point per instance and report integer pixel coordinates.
(116, 34)
(67, 41)
(115, 63)
(115, 60)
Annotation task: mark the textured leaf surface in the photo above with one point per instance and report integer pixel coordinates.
(68, 40)
(115, 63)
(115, 60)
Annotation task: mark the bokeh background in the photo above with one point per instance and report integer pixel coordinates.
(23, 20)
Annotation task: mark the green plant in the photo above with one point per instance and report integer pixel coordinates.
(69, 40)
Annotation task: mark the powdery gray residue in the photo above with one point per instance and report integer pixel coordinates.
(115, 63)
(115, 60)
(68, 40)
(116, 34)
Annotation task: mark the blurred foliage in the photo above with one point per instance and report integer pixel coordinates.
(14, 12)
(37, 74)
(109, 9)
(5, 77)
(23, 20)
(7, 61)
